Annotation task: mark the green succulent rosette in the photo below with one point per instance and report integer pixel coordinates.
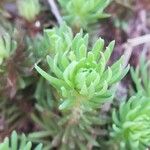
(81, 74)
(81, 13)
(131, 124)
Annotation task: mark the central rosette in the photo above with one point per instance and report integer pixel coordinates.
(83, 77)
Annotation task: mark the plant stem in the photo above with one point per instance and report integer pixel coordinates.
(55, 11)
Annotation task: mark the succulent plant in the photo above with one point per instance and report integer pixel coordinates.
(131, 124)
(28, 9)
(82, 80)
(16, 143)
(80, 74)
(81, 13)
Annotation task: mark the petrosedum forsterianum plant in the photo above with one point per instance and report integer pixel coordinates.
(82, 79)
(18, 143)
(131, 124)
(81, 13)
(28, 9)
(81, 74)
(7, 46)
(141, 76)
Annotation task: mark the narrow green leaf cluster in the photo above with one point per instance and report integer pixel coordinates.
(7, 46)
(131, 124)
(58, 38)
(141, 76)
(81, 13)
(16, 143)
(52, 41)
(81, 74)
(28, 9)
